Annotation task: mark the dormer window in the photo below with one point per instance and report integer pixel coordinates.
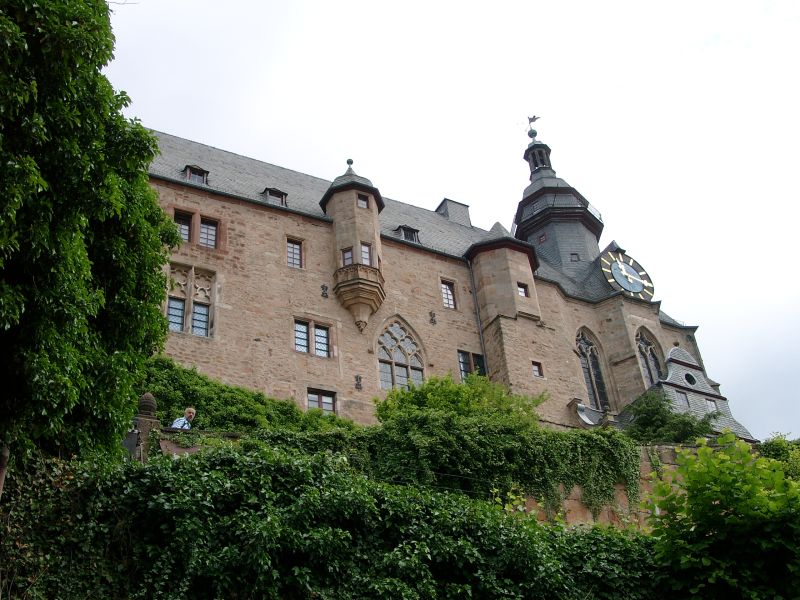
(409, 234)
(275, 196)
(195, 174)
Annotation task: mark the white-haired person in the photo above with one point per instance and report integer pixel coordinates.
(185, 422)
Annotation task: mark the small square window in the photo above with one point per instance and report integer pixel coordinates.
(711, 405)
(200, 319)
(175, 311)
(347, 257)
(574, 257)
(294, 253)
(409, 234)
(538, 371)
(363, 201)
(543, 238)
(522, 290)
(208, 233)
(325, 401)
(184, 223)
(683, 399)
(275, 197)
(448, 294)
(366, 254)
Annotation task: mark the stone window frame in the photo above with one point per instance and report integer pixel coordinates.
(208, 234)
(470, 362)
(347, 256)
(294, 253)
(366, 253)
(313, 329)
(587, 349)
(400, 357)
(184, 279)
(648, 351)
(362, 201)
(195, 223)
(183, 220)
(448, 290)
(321, 395)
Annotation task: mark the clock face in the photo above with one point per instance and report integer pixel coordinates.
(627, 275)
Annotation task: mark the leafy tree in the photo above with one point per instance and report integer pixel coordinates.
(82, 239)
(654, 420)
(787, 452)
(476, 396)
(726, 524)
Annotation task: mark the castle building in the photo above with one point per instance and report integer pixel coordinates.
(329, 293)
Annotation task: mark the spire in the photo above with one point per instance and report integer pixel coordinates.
(537, 154)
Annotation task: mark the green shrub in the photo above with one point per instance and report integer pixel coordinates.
(726, 524)
(784, 451)
(267, 524)
(225, 407)
(654, 420)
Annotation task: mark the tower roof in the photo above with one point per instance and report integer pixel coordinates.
(350, 180)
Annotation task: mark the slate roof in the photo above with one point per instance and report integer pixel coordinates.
(246, 178)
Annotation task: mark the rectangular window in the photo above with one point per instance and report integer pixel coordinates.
(522, 289)
(208, 233)
(538, 371)
(401, 376)
(200, 319)
(347, 257)
(363, 201)
(448, 294)
(683, 399)
(543, 238)
(301, 336)
(321, 341)
(366, 254)
(184, 223)
(175, 311)
(470, 363)
(196, 175)
(294, 254)
(325, 401)
(574, 257)
(464, 365)
(711, 405)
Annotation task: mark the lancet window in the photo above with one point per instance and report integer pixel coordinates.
(592, 373)
(648, 358)
(399, 358)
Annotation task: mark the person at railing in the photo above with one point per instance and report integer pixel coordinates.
(185, 422)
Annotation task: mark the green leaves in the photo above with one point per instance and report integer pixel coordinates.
(654, 421)
(269, 524)
(727, 524)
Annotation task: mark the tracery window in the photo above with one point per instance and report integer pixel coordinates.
(592, 374)
(399, 358)
(648, 358)
(190, 294)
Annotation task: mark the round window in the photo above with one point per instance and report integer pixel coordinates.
(690, 379)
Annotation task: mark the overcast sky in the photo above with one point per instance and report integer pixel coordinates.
(677, 120)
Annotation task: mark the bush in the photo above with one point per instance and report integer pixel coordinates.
(784, 451)
(226, 407)
(654, 420)
(267, 524)
(727, 525)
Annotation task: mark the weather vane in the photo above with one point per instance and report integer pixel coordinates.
(531, 121)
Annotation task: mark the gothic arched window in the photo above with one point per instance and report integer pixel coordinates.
(399, 358)
(648, 358)
(590, 364)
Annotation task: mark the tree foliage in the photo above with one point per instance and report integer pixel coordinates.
(225, 407)
(785, 451)
(654, 420)
(82, 239)
(267, 524)
(726, 524)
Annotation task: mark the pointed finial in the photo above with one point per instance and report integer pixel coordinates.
(350, 167)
